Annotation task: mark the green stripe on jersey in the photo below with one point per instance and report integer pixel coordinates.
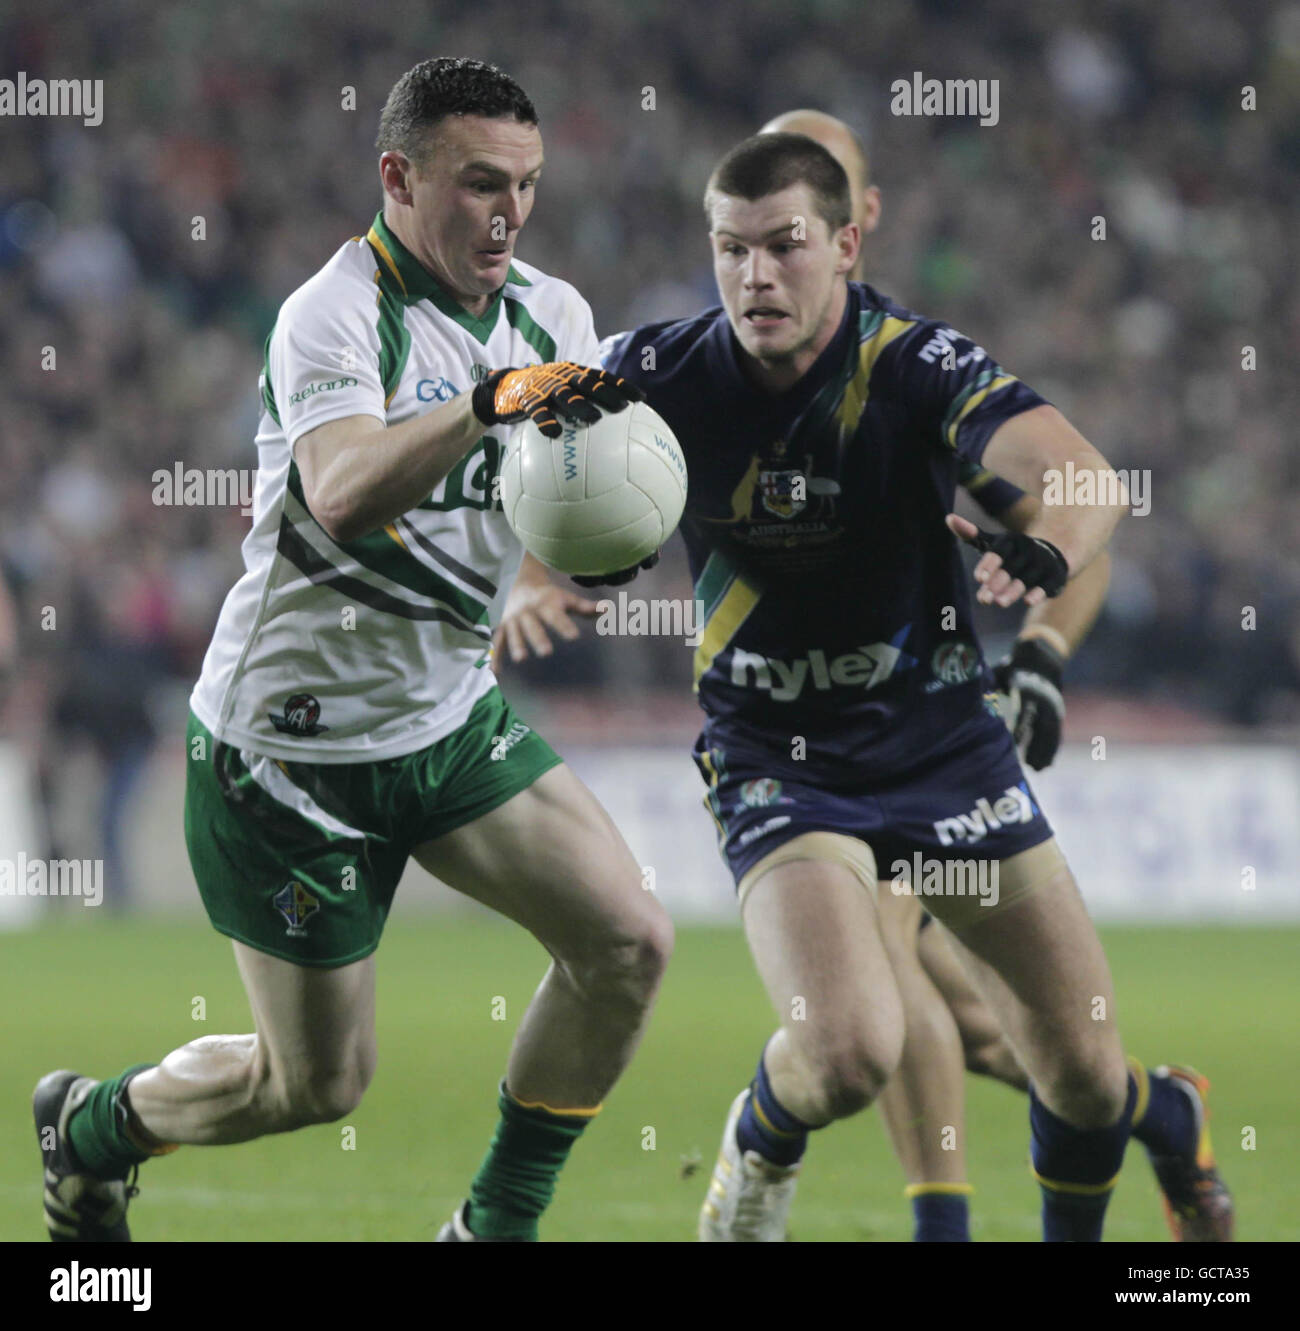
(986, 381)
(530, 330)
(409, 532)
(313, 565)
(268, 393)
(381, 553)
(394, 340)
(715, 577)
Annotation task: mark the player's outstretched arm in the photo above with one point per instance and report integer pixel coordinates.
(536, 608)
(1065, 538)
(1066, 620)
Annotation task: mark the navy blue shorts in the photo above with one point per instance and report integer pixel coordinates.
(972, 800)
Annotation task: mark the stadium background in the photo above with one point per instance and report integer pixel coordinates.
(1129, 111)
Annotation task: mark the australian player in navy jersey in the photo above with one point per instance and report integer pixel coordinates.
(850, 736)
(948, 1025)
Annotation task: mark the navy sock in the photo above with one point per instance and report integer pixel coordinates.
(767, 1128)
(1166, 1123)
(1077, 1169)
(941, 1216)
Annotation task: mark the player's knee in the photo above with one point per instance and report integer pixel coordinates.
(297, 1097)
(1089, 1089)
(335, 1096)
(848, 1077)
(325, 1095)
(623, 969)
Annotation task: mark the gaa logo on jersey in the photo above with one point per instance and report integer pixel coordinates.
(955, 662)
(435, 390)
(777, 491)
(760, 793)
(301, 716)
(297, 905)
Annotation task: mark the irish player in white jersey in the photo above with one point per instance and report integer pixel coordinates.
(347, 717)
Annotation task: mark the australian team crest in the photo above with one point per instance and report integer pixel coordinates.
(297, 905)
(783, 493)
(301, 716)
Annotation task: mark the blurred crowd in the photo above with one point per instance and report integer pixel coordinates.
(133, 341)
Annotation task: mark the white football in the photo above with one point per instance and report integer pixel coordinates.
(601, 497)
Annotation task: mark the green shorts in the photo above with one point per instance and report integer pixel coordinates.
(302, 859)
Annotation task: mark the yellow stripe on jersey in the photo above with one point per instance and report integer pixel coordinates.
(978, 480)
(975, 399)
(720, 627)
(854, 401)
(391, 530)
(373, 237)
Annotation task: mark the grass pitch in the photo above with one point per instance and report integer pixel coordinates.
(101, 994)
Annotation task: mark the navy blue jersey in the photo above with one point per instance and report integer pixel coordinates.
(837, 631)
(993, 494)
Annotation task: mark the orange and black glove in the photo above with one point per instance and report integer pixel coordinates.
(542, 391)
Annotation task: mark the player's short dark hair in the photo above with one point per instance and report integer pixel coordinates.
(442, 87)
(769, 163)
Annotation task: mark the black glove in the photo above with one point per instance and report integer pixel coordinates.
(540, 391)
(615, 579)
(1037, 563)
(1031, 679)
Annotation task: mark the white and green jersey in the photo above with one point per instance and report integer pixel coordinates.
(363, 650)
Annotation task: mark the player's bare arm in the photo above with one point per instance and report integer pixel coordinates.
(357, 477)
(1024, 449)
(358, 474)
(1066, 620)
